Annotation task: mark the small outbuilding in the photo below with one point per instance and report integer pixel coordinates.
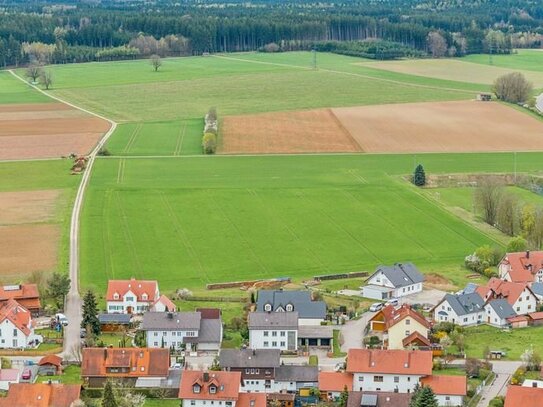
(50, 365)
(114, 322)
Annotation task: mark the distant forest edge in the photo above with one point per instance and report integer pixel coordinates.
(69, 31)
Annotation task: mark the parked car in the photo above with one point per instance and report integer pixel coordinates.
(393, 301)
(27, 374)
(61, 318)
(82, 333)
(376, 307)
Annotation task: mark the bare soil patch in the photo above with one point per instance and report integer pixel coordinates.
(437, 281)
(28, 248)
(28, 206)
(309, 131)
(465, 126)
(47, 130)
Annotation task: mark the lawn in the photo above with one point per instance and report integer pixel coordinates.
(514, 342)
(188, 87)
(190, 221)
(337, 346)
(525, 59)
(70, 375)
(12, 91)
(113, 339)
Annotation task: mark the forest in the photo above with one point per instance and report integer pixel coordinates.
(69, 31)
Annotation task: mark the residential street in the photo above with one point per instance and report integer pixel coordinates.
(353, 331)
(504, 370)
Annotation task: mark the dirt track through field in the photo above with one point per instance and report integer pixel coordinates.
(285, 132)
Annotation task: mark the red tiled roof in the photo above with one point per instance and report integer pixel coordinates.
(518, 396)
(167, 303)
(519, 263)
(396, 361)
(335, 381)
(138, 287)
(17, 314)
(209, 313)
(447, 385)
(415, 336)
(518, 318)
(251, 400)
(41, 395)
(50, 360)
(139, 362)
(391, 316)
(536, 315)
(227, 384)
(27, 295)
(497, 288)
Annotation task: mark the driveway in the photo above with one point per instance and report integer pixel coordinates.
(504, 370)
(427, 296)
(353, 331)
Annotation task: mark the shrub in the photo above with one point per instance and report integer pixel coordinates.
(104, 152)
(512, 87)
(209, 143)
(519, 376)
(446, 327)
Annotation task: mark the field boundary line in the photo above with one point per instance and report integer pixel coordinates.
(180, 139)
(73, 299)
(354, 142)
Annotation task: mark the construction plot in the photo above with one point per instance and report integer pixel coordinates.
(47, 130)
(313, 131)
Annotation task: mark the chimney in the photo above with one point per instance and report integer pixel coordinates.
(206, 377)
(170, 315)
(254, 352)
(527, 254)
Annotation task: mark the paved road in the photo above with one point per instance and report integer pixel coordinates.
(539, 103)
(353, 331)
(504, 370)
(72, 310)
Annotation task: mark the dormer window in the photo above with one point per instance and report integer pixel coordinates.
(196, 388)
(212, 389)
(144, 297)
(289, 308)
(267, 307)
(116, 296)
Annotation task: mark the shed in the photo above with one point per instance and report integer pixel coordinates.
(50, 365)
(113, 322)
(519, 321)
(484, 97)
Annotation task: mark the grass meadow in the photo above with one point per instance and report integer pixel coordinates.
(13, 91)
(524, 59)
(190, 221)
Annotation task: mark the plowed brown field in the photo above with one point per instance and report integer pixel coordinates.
(28, 206)
(46, 131)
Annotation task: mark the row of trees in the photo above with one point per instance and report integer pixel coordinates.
(211, 129)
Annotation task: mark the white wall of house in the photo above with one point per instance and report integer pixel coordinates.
(408, 290)
(256, 386)
(279, 386)
(449, 400)
(171, 338)
(13, 337)
(464, 320)
(310, 321)
(207, 403)
(381, 280)
(493, 319)
(526, 303)
(272, 339)
(384, 382)
(129, 302)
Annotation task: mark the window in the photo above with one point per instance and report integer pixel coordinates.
(378, 379)
(283, 344)
(527, 298)
(530, 306)
(360, 378)
(407, 333)
(266, 344)
(408, 378)
(14, 332)
(156, 333)
(247, 371)
(396, 379)
(447, 398)
(155, 343)
(144, 297)
(290, 307)
(518, 308)
(274, 344)
(407, 322)
(129, 298)
(274, 333)
(193, 402)
(266, 333)
(267, 307)
(212, 389)
(196, 388)
(283, 333)
(115, 296)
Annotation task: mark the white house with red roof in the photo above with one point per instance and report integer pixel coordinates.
(449, 390)
(17, 327)
(163, 304)
(131, 296)
(518, 295)
(522, 267)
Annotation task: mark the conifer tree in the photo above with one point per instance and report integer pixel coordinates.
(90, 314)
(419, 177)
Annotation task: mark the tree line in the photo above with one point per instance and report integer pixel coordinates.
(78, 32)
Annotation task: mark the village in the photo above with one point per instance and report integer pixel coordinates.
(295, 353)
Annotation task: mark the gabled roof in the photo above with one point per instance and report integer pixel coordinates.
(537, 288)
(210, 313)
(41, 395)
(293, 373)
(227, 385)
(171, 321)
(447, 385)
(17, 314)
(335, 381)
(140, 362)
(415, 338)
(27, 295)
(464, 304)
(210, 332)
(497, 288)
(502, 308)
(50, 360)
(300, 300)
(523, 265)
(273, 320)
(120, 319)
(382, 398)
(391, 315)
(251, 400)
(261, 358)
(138, 287)
(170, 306)
(518, 396)
(416, 362)
(401, 275)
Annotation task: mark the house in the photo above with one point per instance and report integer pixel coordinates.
(378, 399)
(273, 330)
(257, 366)
(331, 384)
(50, 365)
(281, 399)
(17, 326)
(519, 396)
(182, 330)
(309, 312)
(25, 294)
(518, 295)
(141, 367)
(131, 296)
(388, 370)
(462, 309)
(200, 388)
(320, 336)
(8, 376)
(497, 312)
(399, 324)
(295, 379)
(532, 383)
(394, 281)
(522, 267)
(41, 395)
(114, 322)
(163, 304)
(449, 390)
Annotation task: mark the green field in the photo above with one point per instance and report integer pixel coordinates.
(190, 221)
(529, 60)
(14, 91)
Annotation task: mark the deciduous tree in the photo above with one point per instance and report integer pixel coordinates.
(46, 78)
(513, 87)
(156, 61)
(58, 287)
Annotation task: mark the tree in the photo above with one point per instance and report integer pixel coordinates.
(437, 44)
(419, 177)
(531, 359)
(33, 71)
(108, 400)
(46, 78)
(487, 198)
(209, 143)
(473, 366)
(156, 61)
(90, 311)
(513, 88)
(58, 287)
(343, 397)
(507, 218)
(517, 244)
(423, 396)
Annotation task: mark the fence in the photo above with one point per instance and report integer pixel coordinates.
(341, 276)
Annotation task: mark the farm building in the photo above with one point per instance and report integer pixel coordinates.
(394, 281)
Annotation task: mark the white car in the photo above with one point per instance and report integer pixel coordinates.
(393, 301)
(376, 307)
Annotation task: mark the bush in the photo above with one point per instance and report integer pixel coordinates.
(516, 244)
(209, 143)
(512, 87)
(519, 376)
(447, 327)
(104, 152)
